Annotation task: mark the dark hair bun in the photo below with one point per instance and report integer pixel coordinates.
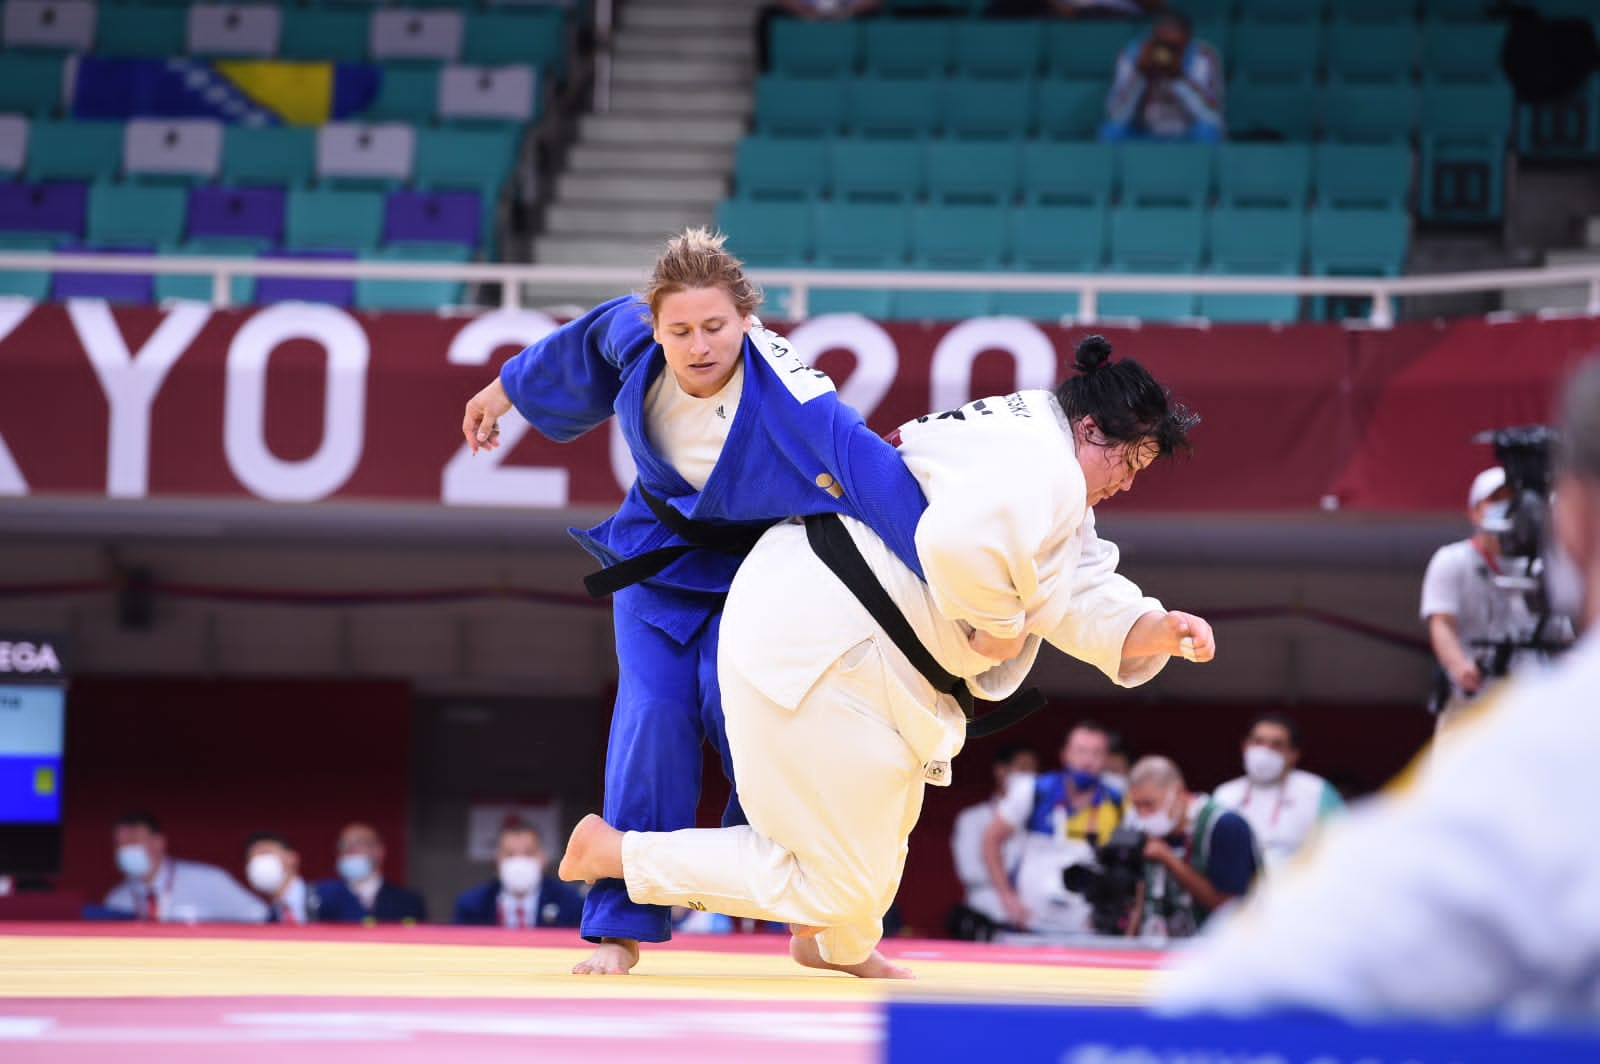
(1093, 352)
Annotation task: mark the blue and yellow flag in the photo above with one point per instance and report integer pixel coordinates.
(244, 91)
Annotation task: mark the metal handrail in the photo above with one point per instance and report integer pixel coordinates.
(1087, 286)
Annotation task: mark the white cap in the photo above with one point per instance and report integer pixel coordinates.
(1486, 484)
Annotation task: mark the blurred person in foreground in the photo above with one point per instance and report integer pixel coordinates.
(520, 895)
(1469, 887)
(272, 868)
(361, 895)
(1283, 803)
(163, 889)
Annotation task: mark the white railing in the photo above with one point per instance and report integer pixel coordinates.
(511, 277)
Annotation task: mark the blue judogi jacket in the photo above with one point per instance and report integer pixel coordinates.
(792, 447)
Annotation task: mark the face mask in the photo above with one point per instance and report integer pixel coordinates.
(354, 867)
(1158, 824)
(519, 874)
(1116, 781)
(133, 860)
(1263, 764)
(1495, 516)
(1082, 780)
(266, 873)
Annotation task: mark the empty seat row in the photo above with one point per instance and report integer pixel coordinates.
(1246, 240)
(534, 35)
(1063, 172)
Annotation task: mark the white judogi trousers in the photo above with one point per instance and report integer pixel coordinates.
(832, 791)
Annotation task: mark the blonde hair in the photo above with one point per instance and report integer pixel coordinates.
(696, 258)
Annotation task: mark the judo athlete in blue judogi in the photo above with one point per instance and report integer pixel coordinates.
(730, 431)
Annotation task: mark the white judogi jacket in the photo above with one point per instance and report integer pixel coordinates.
(1009, 546)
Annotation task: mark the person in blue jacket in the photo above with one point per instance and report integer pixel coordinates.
(730, 431)
(520, 895)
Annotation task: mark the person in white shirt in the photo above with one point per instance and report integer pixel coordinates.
(834, 731)
(1468, 889)
(1282, 802)
(163, 889)
(981, 910)
(272, 868)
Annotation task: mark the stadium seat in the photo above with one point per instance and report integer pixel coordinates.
(1463, 152)
(528, 35)
(1210, 10)
(1259, 239)
(1376, 12)
(128, 215)
(1263, 175)
(893, 107)
(13, 145)
(907, 48)
(881, 171)
(1464, 52)
(1372, 114)
(50, 208)
(1561, 129)
(964, 238)
(197, 286)
(998, 48)
(30, 84)
(1063, 173)
(1165, 175)
(73, 150)
(792, 105)
(1156, 240)
(268, 155)
(339, 292)
(859, 236)
(373, 294)
(252, 213)
(418, 35)
(1355, 243)
(1359, 52)
(1077, 49)
(26, 284)
(1363, 175)
(325, 218)
(443, 217)
(815, 49)
(479, 95)
(987, 109)
(464, 158)
(768, 234)
(1267, 112)
(407, 92)
(324, 33)
(1294, 11)
(247, 30)
(143, 31)
(972, 172)
(773, 168)
(1070, 110)
(182, 149)
(130, 288)
(1453, 10)
(369, 154)
(1275, 52)
(1051, 239)
(1253, 307)
(61, 26)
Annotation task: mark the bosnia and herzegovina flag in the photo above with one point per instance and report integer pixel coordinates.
(243, 91)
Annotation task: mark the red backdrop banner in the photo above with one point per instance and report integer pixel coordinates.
(303, 403)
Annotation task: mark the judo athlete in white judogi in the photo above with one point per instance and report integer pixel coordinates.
(834, 732)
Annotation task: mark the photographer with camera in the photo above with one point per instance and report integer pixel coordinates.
(1168, 86)
(1198, 856)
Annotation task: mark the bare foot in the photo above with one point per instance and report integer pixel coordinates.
(613, 956)
(805, 951)
(593, 852)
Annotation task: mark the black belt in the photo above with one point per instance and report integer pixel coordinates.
(832, 543)
(737, 540)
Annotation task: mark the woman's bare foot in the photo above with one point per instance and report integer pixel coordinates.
(594, 852)
(805, 951)
(613, 956)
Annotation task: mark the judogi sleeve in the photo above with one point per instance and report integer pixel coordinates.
(1105, 606)
(565, 384)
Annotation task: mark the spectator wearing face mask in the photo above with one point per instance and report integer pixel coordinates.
(272, 868)
(520, 895)
(360, 895)
(163, 889)
(1282, 803)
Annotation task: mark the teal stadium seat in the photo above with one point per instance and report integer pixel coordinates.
(1156, 240)
(964, 238)
(268, 155)
(145, 31)
(999, 48)
(324, 33)
(879, 171)
(907, 48)
(1363, 175)
(894, 107)
(1051, 239)
(1464, 52)
(479, 159)
(1270, 111)
(197, 286)
(860, 236)
(1360, 52)
(1358, 242)
(30, 84)
(1293, 11)
(1210, 10)
(1263, 174)
(1077, 49)
(815, 49)
(1165, 175)
(1070, 110)
(73, 150)
(534, 35)
(973, 172)
(373, 294)
(1369, 114)
(1561, 129)
(1453, 10)
(407, 92)
(1068, 173)
(769, 234)
(1275, 52)
(1376, 12)
(1463, 152)
(345, 218)
(773, 168)
(26, 284)
(792, 105)
(980, 109)
(135, 215)
(1261, 241)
